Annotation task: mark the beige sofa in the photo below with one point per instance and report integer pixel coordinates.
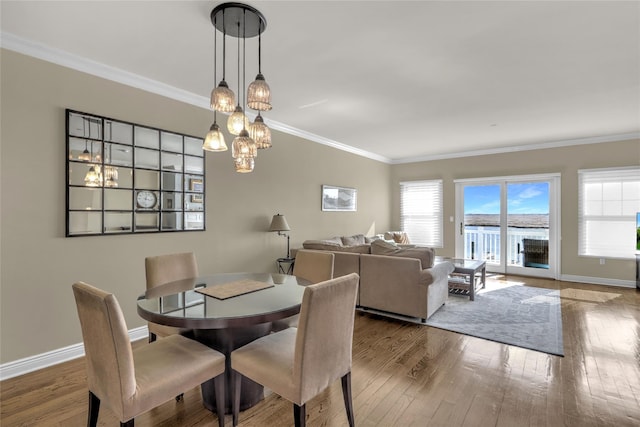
(394, 279)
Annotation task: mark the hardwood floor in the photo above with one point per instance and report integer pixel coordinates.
(411, 375)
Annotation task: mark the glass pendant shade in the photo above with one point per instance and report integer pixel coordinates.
(214, 141)
(259, 94)
(245, 165)
(222, 98)
(237, 121)
(243, 146)
(92, 178)
(110, 176)
(260, 133)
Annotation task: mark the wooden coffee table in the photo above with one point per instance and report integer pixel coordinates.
(467, 276)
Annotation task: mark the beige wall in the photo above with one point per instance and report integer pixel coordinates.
(38, 264)
(564, 160)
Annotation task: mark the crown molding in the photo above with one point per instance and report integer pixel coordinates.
(79, 63)
(75, 62)
(517, 148)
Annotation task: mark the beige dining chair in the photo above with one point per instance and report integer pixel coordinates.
(163, 269)
(314, 266)
(299, 363)
(131, 382)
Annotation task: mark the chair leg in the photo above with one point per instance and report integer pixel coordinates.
(300, 415)
(94, 408)
(218, 383)
(127, 423)
(348, 398)
(236, 379)
(152, 337)
(179, 397)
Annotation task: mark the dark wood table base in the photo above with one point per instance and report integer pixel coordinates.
(225, 341)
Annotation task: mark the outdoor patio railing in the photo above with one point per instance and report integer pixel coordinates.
(485, 243)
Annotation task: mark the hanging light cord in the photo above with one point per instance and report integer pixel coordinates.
(259, 48)
(215, 59)
(244, 64)
(238, 62)
(224, 46)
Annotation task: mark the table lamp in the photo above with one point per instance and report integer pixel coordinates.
(279, 224)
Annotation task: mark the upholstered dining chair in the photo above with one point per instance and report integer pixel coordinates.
(129, 381)
(314, 266)
(163, 269)
(299, 363)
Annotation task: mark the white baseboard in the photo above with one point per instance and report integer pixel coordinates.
(50, 358)
(598, 281)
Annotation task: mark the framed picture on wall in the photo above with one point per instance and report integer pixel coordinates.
(196, 185)
(339, 198)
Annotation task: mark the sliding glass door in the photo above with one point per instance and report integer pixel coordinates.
(510, 222)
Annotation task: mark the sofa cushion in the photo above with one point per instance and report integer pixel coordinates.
(365, 248)
(322, 245)
(356, 239)
(383, 247)
(424, 254)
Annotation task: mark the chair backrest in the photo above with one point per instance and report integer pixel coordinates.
(325, 334)
(108, 353)
(314, 266)
(163, 269)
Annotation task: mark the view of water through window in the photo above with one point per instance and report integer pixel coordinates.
(527, 223)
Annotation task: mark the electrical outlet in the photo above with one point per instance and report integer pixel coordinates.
(601, 261)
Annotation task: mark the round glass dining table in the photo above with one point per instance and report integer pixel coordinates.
(225, 324)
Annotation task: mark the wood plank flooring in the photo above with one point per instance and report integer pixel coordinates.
(411, 375)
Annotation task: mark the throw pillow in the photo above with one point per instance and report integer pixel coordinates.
(356, 239)
(397, 236)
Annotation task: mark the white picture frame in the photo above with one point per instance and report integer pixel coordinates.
(339, 199)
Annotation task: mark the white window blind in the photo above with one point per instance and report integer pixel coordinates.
(608, 202)
(421, 212)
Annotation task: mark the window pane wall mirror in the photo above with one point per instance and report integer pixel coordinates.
(128, 178)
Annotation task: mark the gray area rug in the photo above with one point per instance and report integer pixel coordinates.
(517, 315)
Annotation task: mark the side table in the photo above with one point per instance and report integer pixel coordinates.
(464, 275)
(285, 265)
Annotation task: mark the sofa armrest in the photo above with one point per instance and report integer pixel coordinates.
(438, 272)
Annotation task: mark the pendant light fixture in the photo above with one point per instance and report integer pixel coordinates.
(85, 156)
(214, 141)
(245, 146)
(241, 20)
(259, 93)
(222, 98)
(237, 120)
(92, 177)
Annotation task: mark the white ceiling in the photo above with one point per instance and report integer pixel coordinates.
(391, 80)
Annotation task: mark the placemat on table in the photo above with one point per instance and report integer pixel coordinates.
(234, 289)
